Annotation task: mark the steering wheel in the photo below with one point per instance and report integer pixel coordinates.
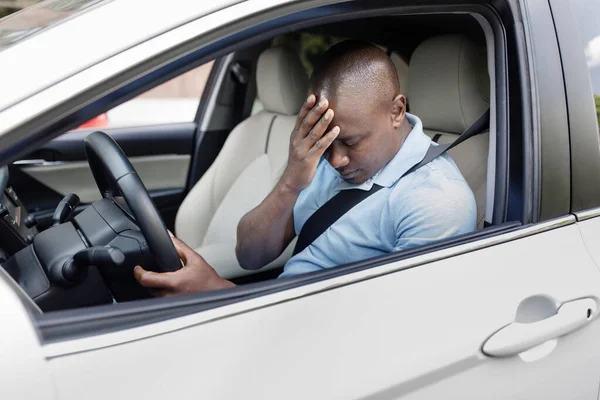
(115, 175)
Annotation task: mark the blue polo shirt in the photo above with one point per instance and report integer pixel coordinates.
(432, 203)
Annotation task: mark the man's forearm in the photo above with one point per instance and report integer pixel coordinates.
(264, 232)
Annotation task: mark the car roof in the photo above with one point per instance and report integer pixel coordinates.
(72, 45)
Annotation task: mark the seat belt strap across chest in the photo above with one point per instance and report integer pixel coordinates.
(330, 212)
(345, 200)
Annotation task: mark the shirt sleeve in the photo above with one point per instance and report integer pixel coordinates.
(430, 213)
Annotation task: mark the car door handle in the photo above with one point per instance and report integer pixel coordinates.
(518, 337)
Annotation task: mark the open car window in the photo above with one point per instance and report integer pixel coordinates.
(175, 101)
(278, 145)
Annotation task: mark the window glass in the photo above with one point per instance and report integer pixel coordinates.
(587, 13)
(174, 101)
(33, 19)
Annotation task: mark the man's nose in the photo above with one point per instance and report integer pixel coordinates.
(337, 159)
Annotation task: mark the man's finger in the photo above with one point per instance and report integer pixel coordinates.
(151, 279)
(312, 117)
(322, 144)
(185, 252)
(319, 129)
(308, 104)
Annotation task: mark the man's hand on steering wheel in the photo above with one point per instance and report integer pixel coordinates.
(196, 275)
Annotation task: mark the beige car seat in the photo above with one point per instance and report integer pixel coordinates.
(449, 88)
(248, 166)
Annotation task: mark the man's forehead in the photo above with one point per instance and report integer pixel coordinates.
(351, 124)
(352, 106)
(340, 100)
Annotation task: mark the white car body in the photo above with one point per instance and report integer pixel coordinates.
(416, 328)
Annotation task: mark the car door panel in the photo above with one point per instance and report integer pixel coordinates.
(589, 224)
(135, 141)
(158, 172)
(517, 378)
(410, 333)
(160, 154)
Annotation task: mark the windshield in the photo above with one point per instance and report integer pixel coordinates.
(31, 20)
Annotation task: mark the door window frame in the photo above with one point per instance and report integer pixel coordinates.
(582, 119)
(64, 325)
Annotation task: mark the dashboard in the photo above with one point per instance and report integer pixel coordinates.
(84, 258)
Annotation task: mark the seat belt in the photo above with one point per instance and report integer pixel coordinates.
(345, 200)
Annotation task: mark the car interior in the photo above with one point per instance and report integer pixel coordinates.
(206, 174)
(255, 153)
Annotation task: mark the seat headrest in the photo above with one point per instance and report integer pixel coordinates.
(281, 81)
(449, 83)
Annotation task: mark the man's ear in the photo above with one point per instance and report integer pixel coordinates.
(398, 110)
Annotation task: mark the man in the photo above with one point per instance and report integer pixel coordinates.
(353, 131)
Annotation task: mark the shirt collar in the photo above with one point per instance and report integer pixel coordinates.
(413, 150)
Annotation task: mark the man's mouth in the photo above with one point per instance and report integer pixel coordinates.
(347, 174)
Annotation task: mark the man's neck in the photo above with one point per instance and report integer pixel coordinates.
(404, 130)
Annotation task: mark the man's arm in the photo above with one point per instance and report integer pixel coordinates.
(265, 232)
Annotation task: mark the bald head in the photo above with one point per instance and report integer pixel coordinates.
(355, 68)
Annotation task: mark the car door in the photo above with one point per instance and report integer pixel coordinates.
(416, 329)
(156, 130)
(24, 372)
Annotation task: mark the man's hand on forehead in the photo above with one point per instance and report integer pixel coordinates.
(308, 142)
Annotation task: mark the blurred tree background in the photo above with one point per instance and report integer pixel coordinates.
(308, 45)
